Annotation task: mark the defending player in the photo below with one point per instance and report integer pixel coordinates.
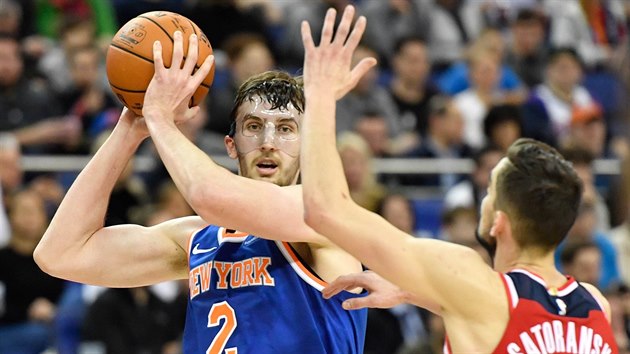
(255, 290)
(523, 305)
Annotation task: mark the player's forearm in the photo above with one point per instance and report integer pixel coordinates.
(83, 209)
(324, 182)
(196, 175)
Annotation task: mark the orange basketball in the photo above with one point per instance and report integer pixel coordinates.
(130, 55)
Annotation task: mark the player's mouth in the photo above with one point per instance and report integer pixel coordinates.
(266, 167)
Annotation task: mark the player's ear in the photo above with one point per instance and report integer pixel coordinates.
(500, 224)
(230, 146)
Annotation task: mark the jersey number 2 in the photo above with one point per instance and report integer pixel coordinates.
(222, 310)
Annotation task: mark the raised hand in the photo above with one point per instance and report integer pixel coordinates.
(382, 294)
(170, 90)
(329, 64)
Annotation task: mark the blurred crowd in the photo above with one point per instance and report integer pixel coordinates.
(456, 79)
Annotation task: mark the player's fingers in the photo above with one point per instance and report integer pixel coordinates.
(344, 282)
(357, 303)
(158, 61)
(178, 50)
(329, 24)
(307, 37)
(344, 25)
(203, 71)
(357, 33)
(191, 57)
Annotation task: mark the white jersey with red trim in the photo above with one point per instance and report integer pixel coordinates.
(543, 320)
(252, 295)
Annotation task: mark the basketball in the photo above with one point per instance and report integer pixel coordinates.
(129, 62)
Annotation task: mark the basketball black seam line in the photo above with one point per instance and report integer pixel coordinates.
(149, 60)
(162, 28)
(125, 90)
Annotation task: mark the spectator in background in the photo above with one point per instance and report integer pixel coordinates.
(170, 204)
(402, 18)
(459, 225)
(454, 23)
(584, 230)
(51, 14)
(398, 209)
(619, 298)
(547, 113)
(582, 260)
(470, 192)
(28, 296)
(131, 321)
(86, 99)
(592, 27)
(10, 179)
(366, 96)
(410, 88)
(620, 236)
(290, 46)
(357, 166)
(444, 139)
(74, 33)
(587, 130)
(475, 101)
(248, 54)
(527, 53)
(582, 161)
(374, 129)
(458, 78)
(26, 106)
(503, 125)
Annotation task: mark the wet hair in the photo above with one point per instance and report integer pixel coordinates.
(278, 88)
(540, 191)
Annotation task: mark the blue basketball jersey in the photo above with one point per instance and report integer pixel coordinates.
(252, 295)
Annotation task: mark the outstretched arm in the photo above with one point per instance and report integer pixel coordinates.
(216, 194)
(77, 247)
(433, 271)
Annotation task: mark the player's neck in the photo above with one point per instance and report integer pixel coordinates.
(541, 265)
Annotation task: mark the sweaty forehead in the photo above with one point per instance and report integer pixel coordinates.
(259, 107)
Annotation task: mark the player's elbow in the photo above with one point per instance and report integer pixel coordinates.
(43, 258)
(317, 213)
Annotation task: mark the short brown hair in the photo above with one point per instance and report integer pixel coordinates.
(278, 88)
(541, 193)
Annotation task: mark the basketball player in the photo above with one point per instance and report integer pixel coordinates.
(523, 305)
(255, 269)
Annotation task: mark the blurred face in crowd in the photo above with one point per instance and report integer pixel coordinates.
(10, 62)
(10, 169)
(564, 73)
(254, 59)
(397, 210)
(411, 64)
(453, 124)
(27, 215)
(586, 265)
(484, 72)
(355, 167)
(375, 132)
(78, 36)
(481, 174)
(528, 36)
(584, 226)
(84, 67)
(505, 133)
(590, 135)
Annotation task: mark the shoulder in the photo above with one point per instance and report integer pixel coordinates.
(180, 229)
(599, 297)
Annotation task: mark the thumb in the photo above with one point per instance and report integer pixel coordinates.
(354, 304)
(190, 114)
